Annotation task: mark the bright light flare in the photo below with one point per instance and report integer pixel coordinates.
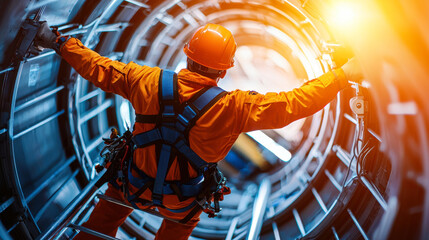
(345, 15)
(181, 65)
(125, 114)
(271, 145)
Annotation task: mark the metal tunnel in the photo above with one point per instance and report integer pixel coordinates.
(358, 169)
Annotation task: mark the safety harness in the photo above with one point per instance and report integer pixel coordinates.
(171, 139)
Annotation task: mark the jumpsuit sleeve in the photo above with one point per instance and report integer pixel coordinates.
(111, 76)
(276, 110)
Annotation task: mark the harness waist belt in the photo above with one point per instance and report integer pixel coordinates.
(189, 189)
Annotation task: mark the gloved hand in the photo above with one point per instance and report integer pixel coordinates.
(353, 71)
(45, 37)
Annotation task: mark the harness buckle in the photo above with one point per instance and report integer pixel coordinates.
(182, 120)
(156, 199)
(187, 114)
(169, 135)
(168, 117)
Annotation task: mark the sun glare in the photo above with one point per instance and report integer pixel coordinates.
(344, 15)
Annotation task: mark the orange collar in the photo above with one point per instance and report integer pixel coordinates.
(192, 77)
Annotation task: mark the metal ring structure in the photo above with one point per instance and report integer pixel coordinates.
(350, 177)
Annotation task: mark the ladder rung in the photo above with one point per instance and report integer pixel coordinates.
(343, 155)
(375, 193)
(240, 236)
(335, 233)
(359, 227)
(298, 222)
(350, 118)
(113, 200)
(232, 228)
(6, 204)
(375, 135)
(92, 232)
(319, 200)
(333, 181)
(13, 227)
(276, 231)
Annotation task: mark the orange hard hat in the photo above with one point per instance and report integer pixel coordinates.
(212, 46)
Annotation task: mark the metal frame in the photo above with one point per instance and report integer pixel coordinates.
(337, 155)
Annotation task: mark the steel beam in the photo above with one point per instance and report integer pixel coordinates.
(39, 98)
(39, 124)
(259, 209)
(59, 170)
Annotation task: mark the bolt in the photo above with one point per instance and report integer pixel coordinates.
(358, 105)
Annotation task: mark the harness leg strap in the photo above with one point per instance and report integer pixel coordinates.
(191, 214)
(192, 157)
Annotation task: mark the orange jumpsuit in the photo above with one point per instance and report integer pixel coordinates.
(213, 134)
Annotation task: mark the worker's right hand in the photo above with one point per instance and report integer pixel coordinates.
(353, 71)
(45, 37)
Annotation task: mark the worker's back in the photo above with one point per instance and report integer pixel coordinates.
(211, 137)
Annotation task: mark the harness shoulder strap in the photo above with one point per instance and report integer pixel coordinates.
(167, 93)
(208, 98)
(187, 119)
(197, 108)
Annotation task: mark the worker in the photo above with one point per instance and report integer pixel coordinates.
(210, 53)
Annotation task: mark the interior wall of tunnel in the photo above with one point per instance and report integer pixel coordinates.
(349, 175)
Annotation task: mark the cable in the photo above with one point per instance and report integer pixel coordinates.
(364, 158)
(361, 155)
(354, 151)
(360, 167)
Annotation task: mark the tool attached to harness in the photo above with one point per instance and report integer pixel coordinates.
(171, 139)
(116, 154)
(214, 189)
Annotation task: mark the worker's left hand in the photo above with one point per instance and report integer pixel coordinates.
(353, 71)
(45, 37)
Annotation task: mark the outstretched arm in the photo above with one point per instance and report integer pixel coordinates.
(276, 110)
(110, 76)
